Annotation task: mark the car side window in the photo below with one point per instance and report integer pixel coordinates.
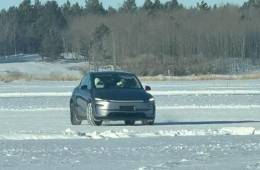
(86, 81)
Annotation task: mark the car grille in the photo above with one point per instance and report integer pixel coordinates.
(126, 115)
(127, 108)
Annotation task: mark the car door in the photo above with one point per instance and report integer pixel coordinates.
(84, 95)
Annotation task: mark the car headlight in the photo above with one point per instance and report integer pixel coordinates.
(98, 99)
(151, 99)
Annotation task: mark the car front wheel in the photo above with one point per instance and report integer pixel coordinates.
(90, 116)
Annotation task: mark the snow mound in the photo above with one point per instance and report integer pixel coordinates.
(238, 131)
(257, 132)
(125, 133)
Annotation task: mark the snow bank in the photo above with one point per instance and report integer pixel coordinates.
(42, 68)
(155, 93)
(126, 133)
(60, 70)
(207, 92)
(208, 107)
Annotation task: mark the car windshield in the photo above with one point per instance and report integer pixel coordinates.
(116, 81)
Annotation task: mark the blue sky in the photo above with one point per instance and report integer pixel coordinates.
(117, 3)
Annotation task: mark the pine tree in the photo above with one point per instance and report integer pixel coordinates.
(94, 7)
(173, 4)
(66, 8)
(157, 5)
(51, 46)
(26, 11)
(252, 3)
(111, 10)
(37, 3)
(129, 6)
(203, 6)
(76, 10)
(148, 5)
(98, 50)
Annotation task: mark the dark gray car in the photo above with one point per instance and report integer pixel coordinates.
(111, 96)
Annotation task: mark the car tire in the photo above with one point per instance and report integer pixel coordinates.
(148, 122)
(130, 122)
(90, 116)
(73, 115)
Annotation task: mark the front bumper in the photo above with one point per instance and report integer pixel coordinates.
(124, 110)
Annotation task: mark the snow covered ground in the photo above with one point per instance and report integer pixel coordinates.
(199, 124)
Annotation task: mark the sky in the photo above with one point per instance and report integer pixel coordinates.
(116, 3)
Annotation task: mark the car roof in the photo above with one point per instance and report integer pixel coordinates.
(110, 72)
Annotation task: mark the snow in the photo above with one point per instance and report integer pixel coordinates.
(31, 109)
(156, 93)
(216, 152)
(127, 133)
(199, 125)
(207, 92)
(209, 107)
(38, 94)
(42, 68)
(32, 67)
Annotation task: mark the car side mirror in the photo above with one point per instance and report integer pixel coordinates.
(148, 88)
(84, 87)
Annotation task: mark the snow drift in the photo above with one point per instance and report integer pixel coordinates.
(126, 133)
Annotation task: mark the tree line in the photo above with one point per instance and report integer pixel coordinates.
(156, 38)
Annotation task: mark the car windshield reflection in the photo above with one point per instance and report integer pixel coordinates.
(116, 81)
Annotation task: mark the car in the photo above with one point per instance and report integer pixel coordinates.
(112, 96)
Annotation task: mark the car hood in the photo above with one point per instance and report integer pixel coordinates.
(122, 94)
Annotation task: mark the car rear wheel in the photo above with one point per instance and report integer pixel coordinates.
(90, 116)
(148, 122)
(73, 115)
(130, 122)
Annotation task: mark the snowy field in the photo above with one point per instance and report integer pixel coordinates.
(31, 67)
(199, 124)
